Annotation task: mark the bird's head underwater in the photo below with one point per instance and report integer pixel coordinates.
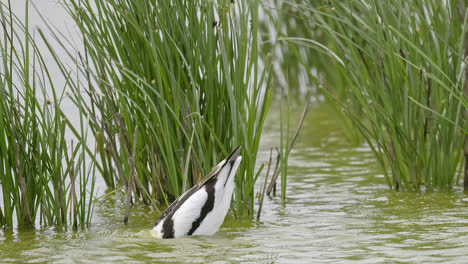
(202, 209)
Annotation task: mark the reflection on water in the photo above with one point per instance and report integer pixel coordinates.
(338, 210)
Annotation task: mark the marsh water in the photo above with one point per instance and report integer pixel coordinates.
(338, 210)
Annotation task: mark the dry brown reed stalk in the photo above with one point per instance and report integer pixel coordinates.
(131, 180)
(291, 145)
(262, 195)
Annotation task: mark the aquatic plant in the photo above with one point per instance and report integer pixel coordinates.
(301, 64)
(43, 176)
(397, 74)
(185, 75)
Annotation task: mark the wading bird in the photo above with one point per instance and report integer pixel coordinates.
(202, 209)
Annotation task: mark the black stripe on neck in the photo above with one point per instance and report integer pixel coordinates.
(207, 207)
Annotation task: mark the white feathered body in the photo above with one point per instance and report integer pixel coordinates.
(202, 209)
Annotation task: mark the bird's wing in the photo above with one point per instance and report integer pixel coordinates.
(188, 212)
(177, 203)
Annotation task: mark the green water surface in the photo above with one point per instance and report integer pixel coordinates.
(338, 210)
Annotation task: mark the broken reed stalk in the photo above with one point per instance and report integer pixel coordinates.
(73, 191)
(2, 217)
(306, 109)
(272, 185)
(131, 162)
(22, 183)
(262, 196)
(291, 145)
(61, 200)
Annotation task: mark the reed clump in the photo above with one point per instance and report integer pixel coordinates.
(43, 178)
(188, 76)
(396, 70)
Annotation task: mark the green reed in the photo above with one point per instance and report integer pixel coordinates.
(302, 64)
(186, 78)
(39, 170)
(395, 69)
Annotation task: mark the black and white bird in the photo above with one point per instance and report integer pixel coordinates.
(202, 209)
